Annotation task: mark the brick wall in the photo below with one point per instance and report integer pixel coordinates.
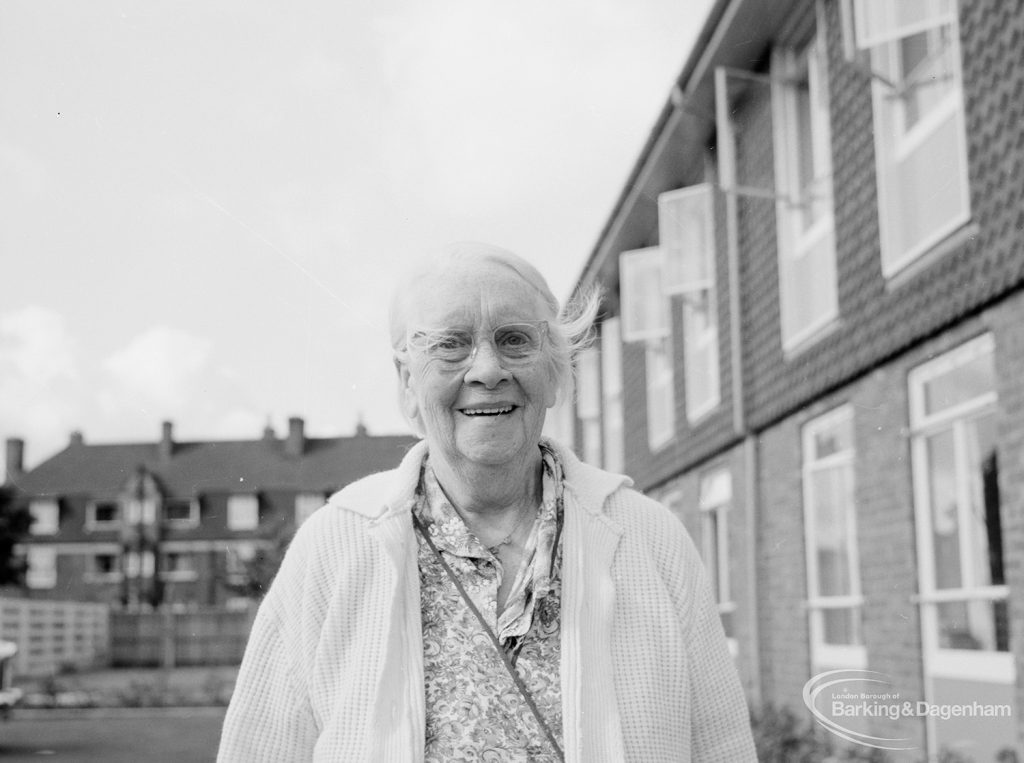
(1007, 322)
(785, 641)
(880, 319)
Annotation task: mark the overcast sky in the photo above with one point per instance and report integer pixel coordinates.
(203, 204)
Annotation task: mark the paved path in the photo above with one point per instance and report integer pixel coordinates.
(181, 735)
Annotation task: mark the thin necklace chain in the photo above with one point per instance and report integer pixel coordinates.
(508, 538)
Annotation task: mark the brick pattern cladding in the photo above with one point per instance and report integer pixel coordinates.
(1007, 323)
(785, 641)
(878, 320)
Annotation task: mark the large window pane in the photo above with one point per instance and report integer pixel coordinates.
(945, 521)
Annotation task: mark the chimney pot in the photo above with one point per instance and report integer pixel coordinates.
(15, 456)
(296, 442)
(76, 438)
(166, 441)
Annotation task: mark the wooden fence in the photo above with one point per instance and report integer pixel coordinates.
(203, 637)
(55, 635)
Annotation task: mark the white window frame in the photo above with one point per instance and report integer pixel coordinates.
(185, 575)
(661, 401)
(141, 511)
(93, 575)
(879, 29)
(191, 521)
(644, 308)
(823, 654)
(236, 555)
(588, 404)
(611, 395)
(42, 567)
(714, 502)
(689, 270)
(686, 231)
(243, 511)
(972, 664)
(46, 515)
(812, 248)
(92, 524)
(306, 504)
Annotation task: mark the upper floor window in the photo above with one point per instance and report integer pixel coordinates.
(181, 512)
(141, 511)
(645, 318)
(686, 227)
(45, 515)
(243, 511)
(104, 568)
(920, 133)
(305, 505)
(661, 400)
(102, 515)
(833, 571)
(611, 393)
(588, 404)
(715, 500)
(803, 182)
(954, 422)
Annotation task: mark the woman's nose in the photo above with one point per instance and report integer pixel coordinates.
(485, 365)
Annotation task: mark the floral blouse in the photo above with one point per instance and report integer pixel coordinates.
(473, 709)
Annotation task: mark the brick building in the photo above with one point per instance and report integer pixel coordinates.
(136, 524)
(812, 348)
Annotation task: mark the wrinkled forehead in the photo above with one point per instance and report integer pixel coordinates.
(474, 294)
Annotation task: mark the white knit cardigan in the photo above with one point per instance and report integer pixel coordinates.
(334, 666)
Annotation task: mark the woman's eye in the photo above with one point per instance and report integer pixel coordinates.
(449, 343)
(515, 341)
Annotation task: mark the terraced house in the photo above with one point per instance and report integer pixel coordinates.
(138, 525)
(812, 349)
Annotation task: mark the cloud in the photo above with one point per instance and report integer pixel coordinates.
(35, 346)
(38, 377)
(161, 369)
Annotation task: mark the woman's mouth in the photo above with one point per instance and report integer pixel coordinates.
(487, 410)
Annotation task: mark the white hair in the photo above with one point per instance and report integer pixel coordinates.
(570, 326)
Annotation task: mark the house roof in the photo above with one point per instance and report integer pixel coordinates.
(193, 468)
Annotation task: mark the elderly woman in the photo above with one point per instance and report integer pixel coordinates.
(492, 598)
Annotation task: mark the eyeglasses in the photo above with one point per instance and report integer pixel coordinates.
(515, 343)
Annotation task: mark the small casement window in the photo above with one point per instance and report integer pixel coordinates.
(588, 404)
(178, 566)
(45, 515)
(714, 503)
(611, 394)
(243, 512)
(103, 515)
(181, 512)
(104, 567)
(644, 306)
(42, 567)
(686, 227)
(236, 561)
(305, 505)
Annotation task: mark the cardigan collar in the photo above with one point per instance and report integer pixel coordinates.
(590, 485)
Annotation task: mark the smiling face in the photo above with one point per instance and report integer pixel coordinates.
(485, 411)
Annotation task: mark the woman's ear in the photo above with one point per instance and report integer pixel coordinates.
(407, 392)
